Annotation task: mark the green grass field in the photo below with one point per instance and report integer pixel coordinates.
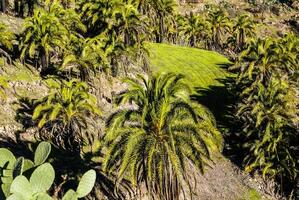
(202, 68)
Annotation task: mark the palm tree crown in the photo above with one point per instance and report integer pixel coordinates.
(152, 140)
(67, 111)
(6, 40)
(43, 34)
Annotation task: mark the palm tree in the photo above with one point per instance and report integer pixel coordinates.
(6, 40)
(268, 107)
(161, 17)
(243, 28)
(193, 28)
(257, 60)
(269, 116)
(88, 57)
(219, 23)
(262, 56)
(152, 140)
(43, 35)
(19, 7)
(129, 24)
(65, 114)
(190, 28)
(99, 15)
(3, 5)
(164, 12)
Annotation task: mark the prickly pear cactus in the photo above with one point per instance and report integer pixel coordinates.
(15, 186)
(11, 167)
(36, 187)
(84, 188)
(7, 162)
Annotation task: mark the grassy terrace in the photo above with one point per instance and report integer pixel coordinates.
(202, 68)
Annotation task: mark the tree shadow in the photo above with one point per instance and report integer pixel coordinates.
(225, 66)
(25, 111)
(221, 101)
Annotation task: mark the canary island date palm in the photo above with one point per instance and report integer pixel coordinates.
(99, 15)
(193, 28)
(154, 139)
(129, 24)
(43, 34)
(270, 138)
(160, 15)
(220, 24)
(165, 10)
(265, 57)
(65, 114)
(244, 28)
(268, 108)
(89, 57)
(6, 41)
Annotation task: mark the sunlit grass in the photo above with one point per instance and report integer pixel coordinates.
(202, 68)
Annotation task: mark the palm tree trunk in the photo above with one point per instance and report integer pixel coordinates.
(30, 7)
(241, 39)
(217, 39)
(21, 11)
(3, 6)
(192, 41)
(161, 28)
(16, 6)
(127, 38)
(44, 60)
(114, 67)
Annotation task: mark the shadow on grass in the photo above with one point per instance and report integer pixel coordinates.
(224, 66)
(221, 100)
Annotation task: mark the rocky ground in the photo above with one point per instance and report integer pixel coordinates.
(275, 21)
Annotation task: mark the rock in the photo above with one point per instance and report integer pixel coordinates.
(276, 10)
(295, 5)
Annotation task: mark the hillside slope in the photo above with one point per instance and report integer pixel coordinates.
(223, 181)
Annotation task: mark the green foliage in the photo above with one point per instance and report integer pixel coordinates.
(196, 30)
(37, 187)
(267, 79)
(15, 185)
(66, 113)
(42, 152)
(89, 57)
(243, 29)
(86, 184)
(161, 14)
(43, 34)
(6, 37)
(120, 27)
(152, 141)
(6, 40)
(10, 167)
(219, 23)
(48, 32)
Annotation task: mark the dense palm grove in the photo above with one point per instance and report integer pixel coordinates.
(156, 133)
